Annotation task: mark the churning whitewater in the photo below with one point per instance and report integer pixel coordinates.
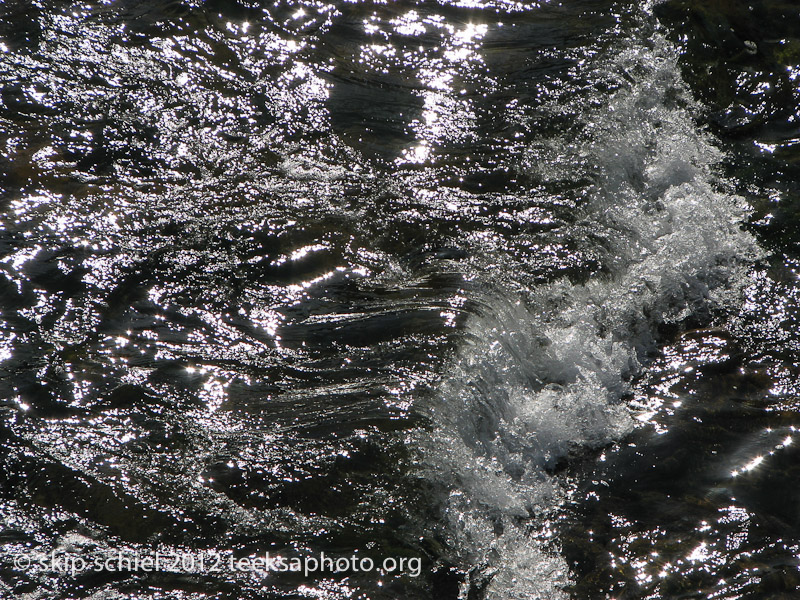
(547, 367)
(503, 291)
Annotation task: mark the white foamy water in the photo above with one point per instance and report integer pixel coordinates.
(545, 373)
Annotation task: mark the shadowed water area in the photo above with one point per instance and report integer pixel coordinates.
(507, 288)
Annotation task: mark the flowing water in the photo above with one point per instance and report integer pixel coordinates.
(505, 290)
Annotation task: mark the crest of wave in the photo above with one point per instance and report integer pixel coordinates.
(544, 376)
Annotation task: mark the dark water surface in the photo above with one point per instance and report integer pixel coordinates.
(507, 288)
